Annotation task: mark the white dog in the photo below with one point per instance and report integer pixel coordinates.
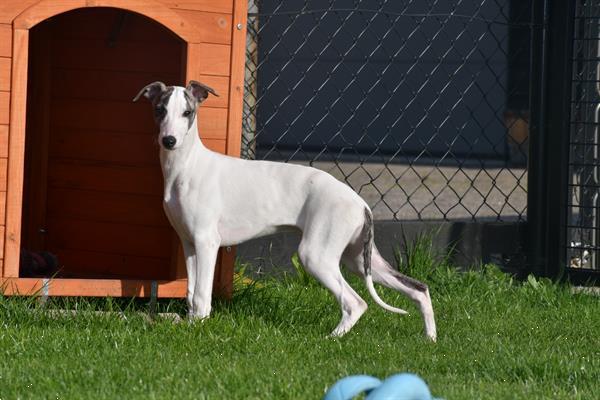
(213, 200)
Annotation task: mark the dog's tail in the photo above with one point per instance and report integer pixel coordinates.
(367, 254)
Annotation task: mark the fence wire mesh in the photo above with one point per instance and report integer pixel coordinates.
(422, 107)
(584, 165)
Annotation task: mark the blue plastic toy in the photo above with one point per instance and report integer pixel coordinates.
(396, 387)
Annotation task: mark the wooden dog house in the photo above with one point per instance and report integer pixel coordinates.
(79, 170)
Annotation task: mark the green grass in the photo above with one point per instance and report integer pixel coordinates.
(497, 339)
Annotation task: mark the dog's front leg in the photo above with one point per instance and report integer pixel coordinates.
(189, 253)
(206, 248)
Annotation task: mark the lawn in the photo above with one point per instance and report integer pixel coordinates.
(497, 339)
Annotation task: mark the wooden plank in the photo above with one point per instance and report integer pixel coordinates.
(2, 232)
(97, 264)
(16, 150)
(133, 57)
(5, 39)
(118, 148)
(2, 215)
(3, 141)
(5, 69)
(223, 279)
(107, 207)
(208, 59)
(108, 178)
(154, 10)
(218, 145)
(94, 287)
(4, 107)
(107, 85)
(221, 6)
(109, 238)
(212, 27)
(99, 24)
(3, 174)
(236, 89)
(10, 9)
(212, 123)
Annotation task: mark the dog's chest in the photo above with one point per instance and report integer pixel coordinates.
(178, 205)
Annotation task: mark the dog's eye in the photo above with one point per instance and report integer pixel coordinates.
(187, 113)
(159, 110)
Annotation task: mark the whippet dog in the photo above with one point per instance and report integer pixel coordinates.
(213, 200)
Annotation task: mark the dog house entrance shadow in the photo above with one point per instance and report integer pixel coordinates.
(91, 217)
(92, 193)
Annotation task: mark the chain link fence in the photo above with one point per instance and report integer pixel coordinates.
(422, 107)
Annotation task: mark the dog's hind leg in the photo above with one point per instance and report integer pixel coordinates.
(326, 269)
(418, 292)
(384, 274)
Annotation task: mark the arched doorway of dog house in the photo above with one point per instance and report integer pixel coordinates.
(92, 195)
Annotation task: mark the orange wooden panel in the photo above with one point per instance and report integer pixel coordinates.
(123, 239)
(217, 145)
(4, 107)
(152, 9)
(16, 148)
(9, 9)
(5, 67)
(94, 287)
(212, 27)
(119, 148)
(87, 176)
(96, 264)
(128, 56)
(106, 85)
(5, 40)
(212, 122)
(106, 207)
(208, 59)
(2, 233)
(236, 89)
(218, 6)
(3, 174)
(3, 141)
(2, 210)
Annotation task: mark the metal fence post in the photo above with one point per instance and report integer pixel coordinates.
(548, 169)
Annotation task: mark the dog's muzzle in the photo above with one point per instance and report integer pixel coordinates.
(169, 142)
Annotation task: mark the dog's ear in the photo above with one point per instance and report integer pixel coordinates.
(200, 91)
(151, 91)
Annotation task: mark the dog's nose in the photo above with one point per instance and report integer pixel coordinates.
(169, 142)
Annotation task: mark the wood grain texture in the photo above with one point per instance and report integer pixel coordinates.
(208, 59)
(94, 264)
(236, 85)
(212, 123)
(5, 72)
(94, 287)
(4, 107)
(2, 212)
(154, 10)
(5, 40)
(220, 6)
(213, 27)
(10, 9)
(16, 150)
(3, 141)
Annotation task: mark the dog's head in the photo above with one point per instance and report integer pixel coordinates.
(174, 109)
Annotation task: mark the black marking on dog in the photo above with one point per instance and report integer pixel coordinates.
(160, 104)
(410, 282)
(192, 104)
(368, 241)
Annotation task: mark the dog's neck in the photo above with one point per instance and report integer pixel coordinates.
(174, 162)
